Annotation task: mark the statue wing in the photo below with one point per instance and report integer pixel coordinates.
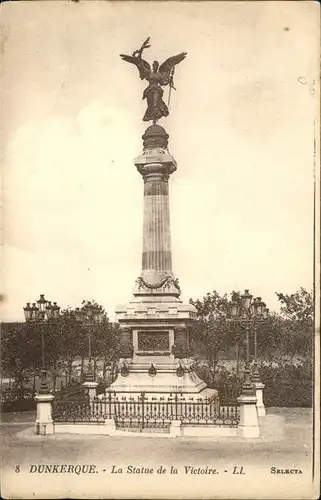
(142, 65)
(166, 67)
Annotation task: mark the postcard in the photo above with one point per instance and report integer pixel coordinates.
(160, 263)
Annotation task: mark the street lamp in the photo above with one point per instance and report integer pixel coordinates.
(259, 312)
(90, 315)
(42, 312)
(245, 311)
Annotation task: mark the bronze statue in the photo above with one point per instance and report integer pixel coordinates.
(157, 76)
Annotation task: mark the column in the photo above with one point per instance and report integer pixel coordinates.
(156, 165)
(156, 230)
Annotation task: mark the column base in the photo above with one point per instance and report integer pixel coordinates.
(163, 384)
(175, 428)
(44, 428)
(110, 427)
(249, 424)
(261, 411)
(155, 322)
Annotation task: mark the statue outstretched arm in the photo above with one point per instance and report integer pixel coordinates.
(144, 46)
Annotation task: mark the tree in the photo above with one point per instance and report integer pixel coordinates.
(297, 323)
(104, 336)
(297, 306)
(212, 332)
(211, 304)
(70, 339)
(75, 331)
(106, 344)
(269, 335)
(21, 355)
(64, 339)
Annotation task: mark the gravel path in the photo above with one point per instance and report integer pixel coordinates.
(138, 459)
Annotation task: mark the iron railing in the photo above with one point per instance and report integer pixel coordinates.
(147, 412)
(71, 393)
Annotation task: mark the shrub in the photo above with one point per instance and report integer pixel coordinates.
(287, 383)
(13, 400)
(18, 405)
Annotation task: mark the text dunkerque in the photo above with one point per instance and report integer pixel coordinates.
(129, 469)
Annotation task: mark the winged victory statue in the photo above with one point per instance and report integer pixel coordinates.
(157, 77)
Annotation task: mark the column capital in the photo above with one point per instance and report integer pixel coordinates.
(155, 163)
(90, 384)
(155, 159)
(44, 398)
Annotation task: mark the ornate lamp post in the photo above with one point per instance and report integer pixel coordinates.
(42, 312)
(89, 315)
(245, 313)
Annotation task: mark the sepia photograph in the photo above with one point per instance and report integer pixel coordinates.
(160, 256)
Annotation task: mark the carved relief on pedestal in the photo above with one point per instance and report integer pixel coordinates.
(169, 285)
(154, 341)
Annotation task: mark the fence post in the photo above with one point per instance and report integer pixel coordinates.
(259, 396)
(110, 426)
(249, 424)
(175, 428)
(143, 397)
(91, 388)
(44, 422)
(259, 386)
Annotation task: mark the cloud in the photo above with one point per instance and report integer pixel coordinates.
(62, 168)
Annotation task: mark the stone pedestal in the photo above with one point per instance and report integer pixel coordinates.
(258, 387)
(249, 424)
(44, 422)
(110, 427)
(160, 364)
(175, 428)
(91, 388)
(259, 397)
(154, 325)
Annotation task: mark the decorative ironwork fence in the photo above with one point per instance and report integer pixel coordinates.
(74, 391)
(144, 412)
(74, 411)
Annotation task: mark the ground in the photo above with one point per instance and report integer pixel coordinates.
(21, 447)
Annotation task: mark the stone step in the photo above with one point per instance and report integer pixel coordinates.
(149, 430)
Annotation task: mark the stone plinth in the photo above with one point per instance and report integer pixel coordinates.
(155, 324)
(44, 422)
(154, 329)
(249, 424)
(259, 396)
(91, 388)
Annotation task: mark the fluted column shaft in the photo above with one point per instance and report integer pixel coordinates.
(155, 165)
(156, 254)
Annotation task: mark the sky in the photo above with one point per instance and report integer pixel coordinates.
(241, 128)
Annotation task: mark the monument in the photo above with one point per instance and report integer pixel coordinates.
(155, 324)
